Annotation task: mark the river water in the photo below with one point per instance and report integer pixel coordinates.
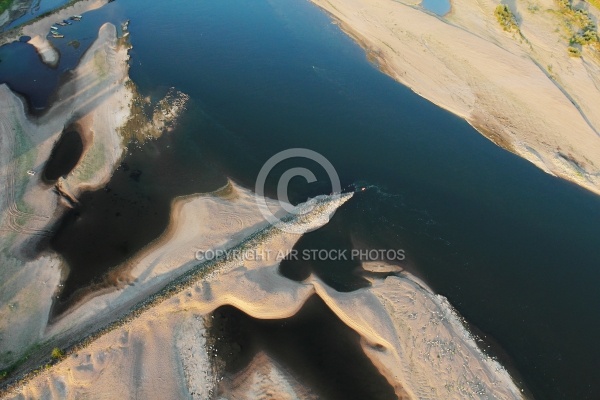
(515, 250)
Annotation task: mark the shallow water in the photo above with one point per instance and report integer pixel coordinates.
(23, 71)
(514, 249)
(439, 7)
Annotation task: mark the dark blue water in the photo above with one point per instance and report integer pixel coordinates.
(23, 71)
(515, 250)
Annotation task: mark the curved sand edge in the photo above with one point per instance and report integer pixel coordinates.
(45, 49)
(38, 29)
(526, 95)
(412, 336)
(97, 100)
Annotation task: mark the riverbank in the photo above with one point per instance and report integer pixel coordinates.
(413, 337)
(96, 98)
(39, 28)
(11, 10)
(521, 90)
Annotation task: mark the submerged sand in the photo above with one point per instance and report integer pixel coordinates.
(521, 90)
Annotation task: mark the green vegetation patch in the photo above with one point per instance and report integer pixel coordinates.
(582, 29)
(57, 353)
(5, 5)
(574, 51)
(595, 3)
(506, 18)
(74, 44)
(93, 161)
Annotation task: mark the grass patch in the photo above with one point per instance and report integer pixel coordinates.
(581, 28)
(101, 64)
(574, 51)
(6, 372)
(24, 153)
(57, 354)
(5, 5)
(91, 163)
(506, 18)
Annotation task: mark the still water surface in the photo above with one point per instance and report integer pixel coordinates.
(515, 250)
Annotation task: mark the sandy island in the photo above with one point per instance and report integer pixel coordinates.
(412, 336)
(522, 90)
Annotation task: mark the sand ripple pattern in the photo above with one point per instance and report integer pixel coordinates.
(230, 221)
(15, 219)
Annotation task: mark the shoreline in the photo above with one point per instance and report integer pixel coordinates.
(39, 27)
(383, 314)
(385, 310)
(29, 206)
(487, 78)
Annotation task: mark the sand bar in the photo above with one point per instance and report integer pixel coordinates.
(412, 336)
(525, 92)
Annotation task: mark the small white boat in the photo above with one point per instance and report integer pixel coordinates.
(53, 28)
(31, 173)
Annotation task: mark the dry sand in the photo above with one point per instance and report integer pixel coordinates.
(97, 98)
(413, 336)
(524, 93)
(45, 49)
(264, 378)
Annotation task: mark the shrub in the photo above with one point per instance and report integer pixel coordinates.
(574, 51)
(57, 353)
(583, 29)
(506, 18)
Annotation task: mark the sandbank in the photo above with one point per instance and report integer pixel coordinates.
(521, 90)
(412, 336)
